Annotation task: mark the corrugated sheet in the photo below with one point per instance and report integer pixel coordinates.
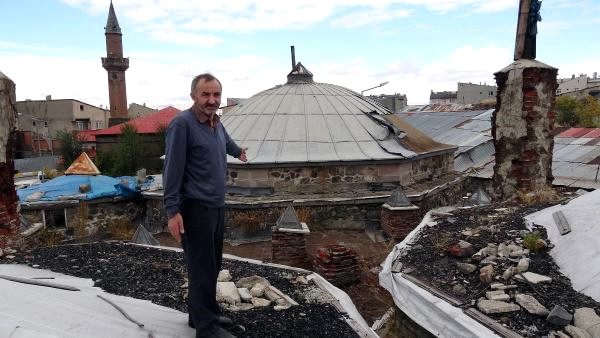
(316, 122)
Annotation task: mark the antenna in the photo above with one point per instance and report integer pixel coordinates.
(293, 57)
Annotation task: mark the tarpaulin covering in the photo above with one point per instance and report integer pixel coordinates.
(68, 185)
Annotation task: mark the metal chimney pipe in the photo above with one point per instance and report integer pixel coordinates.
(293, 58)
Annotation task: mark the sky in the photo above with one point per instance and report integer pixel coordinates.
(53, 47)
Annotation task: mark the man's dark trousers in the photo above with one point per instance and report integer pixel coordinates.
(202, 244)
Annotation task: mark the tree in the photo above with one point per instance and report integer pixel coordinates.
(589, 114)
(567, 108)
(128, 153)
(70, 146)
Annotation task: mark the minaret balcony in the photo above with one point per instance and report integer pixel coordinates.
(112, 63)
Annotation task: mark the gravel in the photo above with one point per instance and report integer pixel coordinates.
(158, 275)
(496, 224)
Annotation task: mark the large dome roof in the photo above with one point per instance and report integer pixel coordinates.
(307, 122)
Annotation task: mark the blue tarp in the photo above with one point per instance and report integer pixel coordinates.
(101, 186)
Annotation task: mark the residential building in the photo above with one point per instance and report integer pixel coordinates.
(579, 86)
(232, 102)
(442, 97)
(136, 110)
(394, 103)
(472, 93)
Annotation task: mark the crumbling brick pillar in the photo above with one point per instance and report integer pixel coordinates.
(522, 126)
(9, 220)
(399, 216)
(289, 247)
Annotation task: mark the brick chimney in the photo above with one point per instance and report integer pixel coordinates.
(288, 240)
(399, 216)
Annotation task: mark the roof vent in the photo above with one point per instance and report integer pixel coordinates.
(299, 73)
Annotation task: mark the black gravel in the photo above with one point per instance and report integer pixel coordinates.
(430, 263)
(157, 275)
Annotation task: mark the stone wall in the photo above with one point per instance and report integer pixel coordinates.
(522, 128)
(9, 221)
(88, 218)
(336, 177)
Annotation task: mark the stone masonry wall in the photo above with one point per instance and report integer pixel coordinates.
(334, 178)
(521, 126)
(9, 220)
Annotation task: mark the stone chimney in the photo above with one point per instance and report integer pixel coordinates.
(288, 240)
(9, 217)
(522, 126)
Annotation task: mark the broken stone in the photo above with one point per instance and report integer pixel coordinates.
(531, 304)
(486, 274)
(523, 265)
(512, 247)
(245, 306)
(466, 268)
(282, 307)
(576, 332)
(302, 280)
(224, 276)
(245, 294)
(587, 319)
(462, 249)
(227, 292)
(558, 334)
(258, 290)
(533, 278)
(497, 295)
(503, 250)
(496, 286)
(249, 282)
(494, 306)
(509, 272)
(459, 289)
(489, 260)
(518, 253)
(271, 295)
(260, 302)
(490, 250)
(559, 316)
(83, 188)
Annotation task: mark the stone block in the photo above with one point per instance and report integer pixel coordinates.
(245, 294)
(260, 302)
(227, 292)
(559, 316)
(497, 295)
(576, 332)
(494, 306)
(531, 304)
(224, 276)
(587, 319)
(533, 278)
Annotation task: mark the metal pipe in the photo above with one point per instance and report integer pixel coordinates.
(293, 58)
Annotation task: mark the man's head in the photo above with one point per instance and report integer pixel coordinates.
(206, 93)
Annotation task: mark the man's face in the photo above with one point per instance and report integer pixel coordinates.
(207, 97)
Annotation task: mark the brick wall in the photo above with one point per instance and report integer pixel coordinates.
(521, 126)
(9, 221)
(400, 222)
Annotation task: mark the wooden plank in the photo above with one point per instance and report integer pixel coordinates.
(524, 6)
(561, 222)
(491, 324)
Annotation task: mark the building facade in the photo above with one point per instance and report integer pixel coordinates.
(446, 97)
(472, 93)
(138, 110)
(394, 103)
(581, 85)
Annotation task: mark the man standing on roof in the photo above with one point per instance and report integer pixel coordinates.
(194, 198)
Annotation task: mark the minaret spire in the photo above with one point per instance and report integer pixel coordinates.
(112, 24)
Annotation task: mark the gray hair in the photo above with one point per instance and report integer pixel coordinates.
(204, 77)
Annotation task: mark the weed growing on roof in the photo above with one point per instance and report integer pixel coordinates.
(532, 241)
(120, 229)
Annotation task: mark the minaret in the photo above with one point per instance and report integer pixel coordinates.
(116, 65)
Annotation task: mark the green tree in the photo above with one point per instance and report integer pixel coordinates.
(70, 147)
(589, 114)
(567, 108)
(128, 153)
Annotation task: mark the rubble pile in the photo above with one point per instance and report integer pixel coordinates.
(485, 258)
(338, 264)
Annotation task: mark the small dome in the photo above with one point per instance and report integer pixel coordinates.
(306, 121)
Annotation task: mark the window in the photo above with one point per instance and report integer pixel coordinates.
(80, 125)
(99, 124)
(45, 123)
(33, 122)
(55, 218)
(81, 107)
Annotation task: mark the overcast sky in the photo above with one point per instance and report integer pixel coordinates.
(52, 47)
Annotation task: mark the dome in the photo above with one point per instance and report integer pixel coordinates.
(303, 121)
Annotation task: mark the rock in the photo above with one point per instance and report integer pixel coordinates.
(518, 253)
(490, 250)
(282, 307)
(533, 278)
(503, 250)
(245, 306)
(462, 249)
(467, 233)
(587, 319)
(494, 306)
(260, 302)
(557, 334)
(34, 196)
(224, 276)
(466, 268)
(10, 257)
(1, 253)
(227, 292)
(486, 274)
(249, 282)
(523, 265)
(576, 332)
(509, 272)
(559, 316)
(302, 280)
(489, 260)
(245, 294)
(459, 289)
(512, 247)
(531, 304)
(497, 295)
(271, 295)
(258, 290)
(496, 286)
(83, 188)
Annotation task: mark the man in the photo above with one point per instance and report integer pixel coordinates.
(194, 197)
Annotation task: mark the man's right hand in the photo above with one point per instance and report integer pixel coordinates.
(176, 226)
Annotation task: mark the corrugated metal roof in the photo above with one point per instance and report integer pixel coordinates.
(305, 121)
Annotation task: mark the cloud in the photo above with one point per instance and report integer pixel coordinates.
(363, 18)
(186, 38)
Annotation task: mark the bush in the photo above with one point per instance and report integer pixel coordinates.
(128, 155)
(70, 147)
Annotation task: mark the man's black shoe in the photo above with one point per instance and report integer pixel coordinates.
(214, 331)
(222, 320)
